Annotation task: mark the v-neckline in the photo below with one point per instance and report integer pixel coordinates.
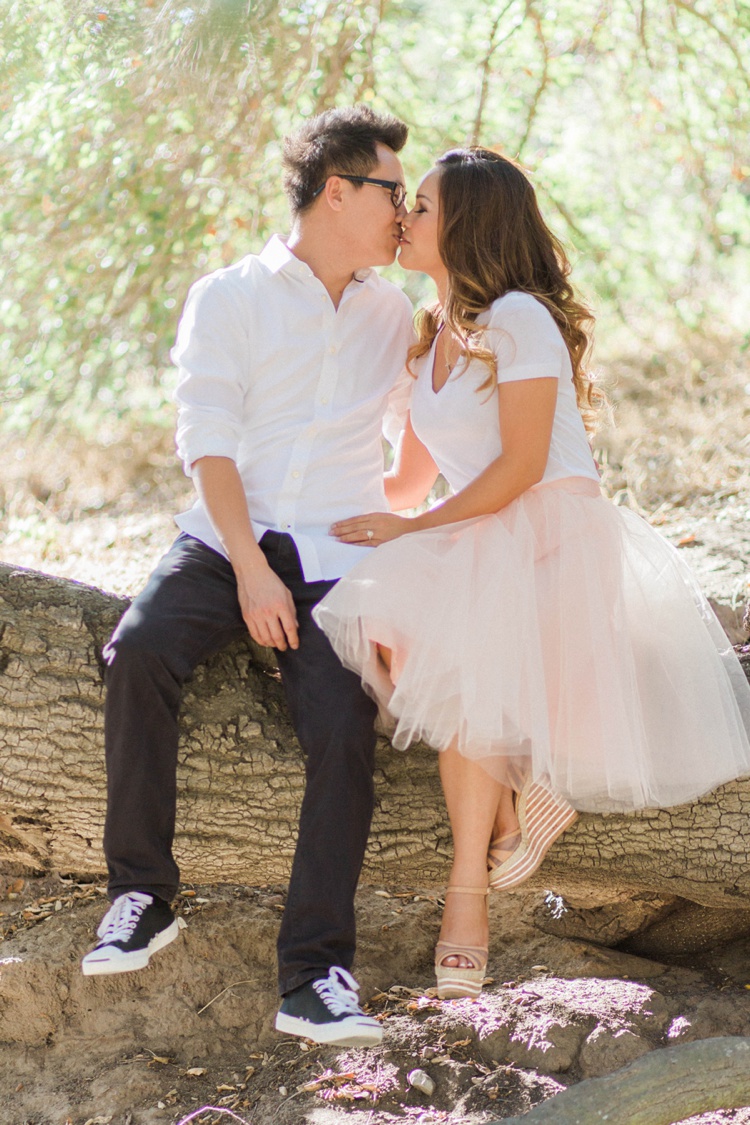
(432, 367)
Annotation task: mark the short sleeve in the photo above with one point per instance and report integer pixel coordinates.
(211, 355)
(525, 339)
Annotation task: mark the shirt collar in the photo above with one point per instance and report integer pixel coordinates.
(277, 256)
(367, 275)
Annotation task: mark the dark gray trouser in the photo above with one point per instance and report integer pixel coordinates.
(188, 611)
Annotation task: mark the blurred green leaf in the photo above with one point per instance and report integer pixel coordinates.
(140, 149)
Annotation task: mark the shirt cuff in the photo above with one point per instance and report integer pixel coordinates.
(192, 446)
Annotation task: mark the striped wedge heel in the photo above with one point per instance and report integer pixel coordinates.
(542, 817)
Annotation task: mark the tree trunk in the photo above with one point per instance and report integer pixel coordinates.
(241, 778)
(660, 1088)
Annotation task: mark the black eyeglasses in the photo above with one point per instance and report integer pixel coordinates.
(397, 190)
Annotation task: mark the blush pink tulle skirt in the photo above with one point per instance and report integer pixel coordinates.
(562, 638)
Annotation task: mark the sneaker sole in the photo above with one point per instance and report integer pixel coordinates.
(130, 962)
(347, 1033)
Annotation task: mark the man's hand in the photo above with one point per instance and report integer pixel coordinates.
(267, 607)
(371, 530)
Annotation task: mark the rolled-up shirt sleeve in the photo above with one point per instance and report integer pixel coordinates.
(211, 354)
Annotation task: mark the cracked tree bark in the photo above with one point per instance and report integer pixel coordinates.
(660, 1088)
(241, 778)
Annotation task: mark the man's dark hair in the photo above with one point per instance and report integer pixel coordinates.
(339, 140)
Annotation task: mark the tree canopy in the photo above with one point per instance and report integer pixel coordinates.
(141, 149)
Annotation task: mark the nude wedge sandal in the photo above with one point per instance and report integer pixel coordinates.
(543, 816)
(453, 982)
(502, 848)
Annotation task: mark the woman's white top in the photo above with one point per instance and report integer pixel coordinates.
(460, 425)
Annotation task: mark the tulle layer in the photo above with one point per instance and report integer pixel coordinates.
(562, 637)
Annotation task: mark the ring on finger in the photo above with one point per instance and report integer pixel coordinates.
(370, 533)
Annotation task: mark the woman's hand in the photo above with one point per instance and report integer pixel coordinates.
(371, 530)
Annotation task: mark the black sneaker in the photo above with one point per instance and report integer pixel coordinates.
(134, 927)
(327, 1010)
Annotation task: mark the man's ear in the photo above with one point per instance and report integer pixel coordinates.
(334, 193)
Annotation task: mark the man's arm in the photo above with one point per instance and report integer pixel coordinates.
(266, 603)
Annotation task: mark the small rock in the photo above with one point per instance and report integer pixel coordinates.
(716, 1015)
(679, 1028)
(421, 1081)
(605, 1051)
(493, 1044)
(547, 1047)
(270, 900)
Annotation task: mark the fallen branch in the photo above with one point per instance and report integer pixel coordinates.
(241, 778)
(658, 1089)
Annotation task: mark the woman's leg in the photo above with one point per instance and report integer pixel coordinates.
(506, 831)
(472, 798)
(479, 809)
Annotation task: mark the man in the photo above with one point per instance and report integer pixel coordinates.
(290, 365)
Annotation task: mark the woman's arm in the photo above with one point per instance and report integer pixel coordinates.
(413, 473)
(527, 411)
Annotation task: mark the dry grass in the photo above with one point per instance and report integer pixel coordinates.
(100, 512)
(681, 437)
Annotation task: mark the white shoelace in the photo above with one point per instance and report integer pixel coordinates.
(338, 991)
(122, 917)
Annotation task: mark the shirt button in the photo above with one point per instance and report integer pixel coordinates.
(324, 402)
(286, 526)
(295, 474)
(332, 350)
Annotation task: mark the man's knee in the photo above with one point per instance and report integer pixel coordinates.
(139, 643)
(341, 734)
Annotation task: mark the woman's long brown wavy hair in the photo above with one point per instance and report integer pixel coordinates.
(493, 239)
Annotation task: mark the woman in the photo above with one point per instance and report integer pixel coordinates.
(553, 647)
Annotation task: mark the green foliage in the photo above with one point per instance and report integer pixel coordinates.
(141, 141)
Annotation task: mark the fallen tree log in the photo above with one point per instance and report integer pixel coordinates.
(661, 1088)
(241, 777)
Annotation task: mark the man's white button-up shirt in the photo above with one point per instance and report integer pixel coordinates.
(297, 393)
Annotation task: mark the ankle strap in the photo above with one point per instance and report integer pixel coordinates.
(468, 890)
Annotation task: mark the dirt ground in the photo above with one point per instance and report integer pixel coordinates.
(194, 1030)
